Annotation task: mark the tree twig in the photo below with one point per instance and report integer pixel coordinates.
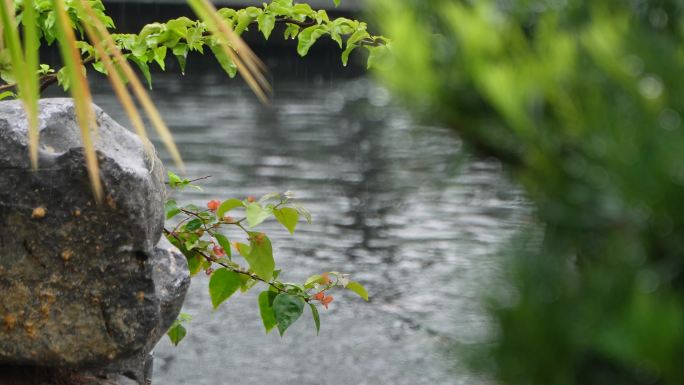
(209, 258)
(196, 179)
(44, 81)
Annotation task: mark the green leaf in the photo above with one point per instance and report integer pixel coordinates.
(256, 214)
(227, 13)
(144, 68)
(253, 12)
(270, 196)
(260, 256)
(284, 3)
(45, 69)
(191, 207)
(358, 289)
(7, 94)
(176, 333)
(171, 209)
(337, 3)
(335, 35)
(302, 211)
(244, 19)
(376, 55)
(160, 55)
(347, 51)
(228, 205)
(287, 308)
(316, 318)
(150, 29)
(194, 263)
(99, 67)
(176, 182)
(246, 282)
(345, 26)
(180, 25)
(266, 309)
(191, 244)
(243, 249)
(266, 23)
(308, 37)
(193, 224)
(62, 78)
(280, 9)
(314, 279)
(302, 11)
(352, 44)
(224, 60)
(322, 16)
(224, 243)
(291, 31)
(287, 217)
(195, 39)
(180, 51)
(138, 46)
(222, 285)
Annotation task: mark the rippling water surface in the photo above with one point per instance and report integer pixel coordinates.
(396, 204)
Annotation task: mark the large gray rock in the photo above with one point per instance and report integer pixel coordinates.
(82, 284)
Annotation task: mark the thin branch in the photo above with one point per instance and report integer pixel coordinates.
(200, 178)
(196, 179)
(47, 80)
(371, 42)
(302, 24)
(210, 259)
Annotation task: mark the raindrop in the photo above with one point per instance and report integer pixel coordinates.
(651, 86)
(669, 119)
(634, 65)
(677, 176)
(576, 166)
(658, 18)
(379, 97)
(335, 101)
(647, 281)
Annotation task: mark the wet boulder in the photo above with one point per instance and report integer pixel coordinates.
(83, 284)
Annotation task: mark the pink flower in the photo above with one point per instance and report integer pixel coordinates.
(213, 205)
(323, 299)
(218, 251)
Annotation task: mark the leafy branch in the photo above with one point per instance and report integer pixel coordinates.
(200, 236)
(180, 36)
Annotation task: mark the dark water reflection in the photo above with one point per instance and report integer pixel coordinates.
(395, 204)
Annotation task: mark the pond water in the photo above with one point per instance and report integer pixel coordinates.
(396, 204)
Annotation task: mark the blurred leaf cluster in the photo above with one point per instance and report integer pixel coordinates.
(583, 100)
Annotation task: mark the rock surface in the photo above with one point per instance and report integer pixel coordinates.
(83, 284)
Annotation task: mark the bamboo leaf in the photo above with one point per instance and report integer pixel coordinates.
(139, 92)
(26, 80)
(117, 82)
(80, 92)
(30, 94)
(249, 66)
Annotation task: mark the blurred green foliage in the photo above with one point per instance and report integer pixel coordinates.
(583, 99)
